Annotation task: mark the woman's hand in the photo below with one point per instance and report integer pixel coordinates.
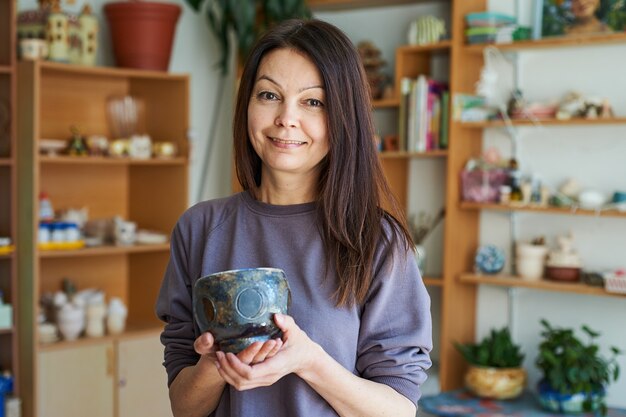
(296, 355)
(257, 352)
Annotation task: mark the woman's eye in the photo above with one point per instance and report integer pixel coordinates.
(267, 95)
(313, 102)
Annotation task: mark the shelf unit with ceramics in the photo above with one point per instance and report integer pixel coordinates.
(9, 348)
(463, 218)
(152, 193)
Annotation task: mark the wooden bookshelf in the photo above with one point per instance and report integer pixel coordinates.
(386, 103)
(442, 153)
(320, 5)
(542, 285)
(538, 209)
(152, 193)
(553, 42)
(544, 122)
(95, 160)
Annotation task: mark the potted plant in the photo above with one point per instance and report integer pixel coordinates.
(142, 32)
(246, 19)
(575, 375)
(495, 369)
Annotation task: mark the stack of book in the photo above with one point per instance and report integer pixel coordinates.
(424, 115)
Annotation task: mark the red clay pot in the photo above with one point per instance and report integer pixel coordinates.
(142, 33)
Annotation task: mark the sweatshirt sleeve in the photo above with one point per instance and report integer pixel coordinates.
(395, 337)
(174, 308)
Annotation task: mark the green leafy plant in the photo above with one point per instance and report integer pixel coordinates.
(570, 366)
(247, 19)
(496, 350)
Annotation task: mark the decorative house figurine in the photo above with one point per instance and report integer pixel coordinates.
(83, 37)
(57, 34)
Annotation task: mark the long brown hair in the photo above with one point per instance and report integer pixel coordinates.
(352, 187)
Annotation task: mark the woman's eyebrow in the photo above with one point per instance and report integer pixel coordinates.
(270, 79)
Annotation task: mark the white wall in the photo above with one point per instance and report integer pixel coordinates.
(196, 52)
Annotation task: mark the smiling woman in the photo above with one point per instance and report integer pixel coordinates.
(287, 125)
(358, 334)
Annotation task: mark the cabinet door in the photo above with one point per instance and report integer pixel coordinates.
(76, 382)
(142, 379)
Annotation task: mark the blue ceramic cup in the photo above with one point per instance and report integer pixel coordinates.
(237, 307)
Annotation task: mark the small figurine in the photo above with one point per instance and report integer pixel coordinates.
(77, 145)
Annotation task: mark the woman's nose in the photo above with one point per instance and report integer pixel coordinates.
(287, 116)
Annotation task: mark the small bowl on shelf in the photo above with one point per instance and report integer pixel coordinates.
(563, 273)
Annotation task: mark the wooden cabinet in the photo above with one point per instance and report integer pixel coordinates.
(8, 212)
(76, 381)
(153, 193)
(142, 384)
(104, 378)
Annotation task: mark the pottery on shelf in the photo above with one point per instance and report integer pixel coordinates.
(563, 263)
(530, 260)
(495, 383)
(237, 307)
(557, 402)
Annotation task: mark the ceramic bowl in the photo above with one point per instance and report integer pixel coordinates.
(237, 306)
(563, 273)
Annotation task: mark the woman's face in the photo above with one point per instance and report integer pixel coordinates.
(584, 8)
(287, 114)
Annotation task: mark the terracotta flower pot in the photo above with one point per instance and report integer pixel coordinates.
(142, 33)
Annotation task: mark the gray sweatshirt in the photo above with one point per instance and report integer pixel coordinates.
(387, 339)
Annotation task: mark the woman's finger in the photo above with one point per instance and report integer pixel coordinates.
(204, 344)
(248, 354)
(267, 347)
(277, 346)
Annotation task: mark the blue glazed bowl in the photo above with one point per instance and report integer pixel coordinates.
(567, 403)
(237, 307)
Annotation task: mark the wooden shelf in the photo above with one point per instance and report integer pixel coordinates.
(553, 42)
(437, 46)
(9, 255)
(81, 70)
(321, 5)
(544, 122)
(6, 69)
(433, 281)
(386, 103)
(550, 210)
(442, 153)
(97, 160)
(104, 250)
(6, 162)
(544, 285)
(131, 331)
(6, 331)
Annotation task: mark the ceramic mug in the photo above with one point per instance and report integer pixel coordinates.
(238, 306)
(33, 49)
